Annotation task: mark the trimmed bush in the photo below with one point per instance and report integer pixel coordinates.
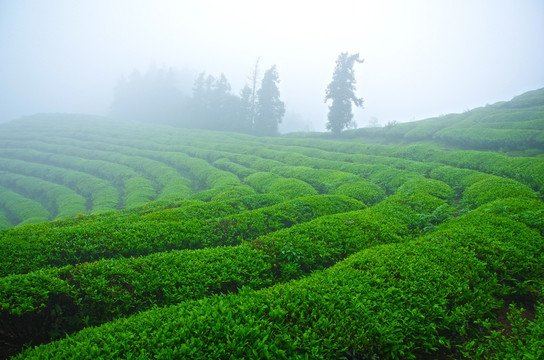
(494, 188)
(28, 251)
(527, 211)
(401, 300)
(233, 193)
(429, 186)
(362, 190)
(99, 291)
(510, 249)
(25, 210)
(289, 188)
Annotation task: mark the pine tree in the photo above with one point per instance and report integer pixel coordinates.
(270, 109)
(341, 91)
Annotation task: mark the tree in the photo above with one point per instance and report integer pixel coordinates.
(341, 91)
(270, 109)
(213, 106)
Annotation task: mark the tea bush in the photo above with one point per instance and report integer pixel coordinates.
(112, 238)
(362, 190)
(393, 301)
(494, 188)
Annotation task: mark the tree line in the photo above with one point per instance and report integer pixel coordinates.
(156, 97)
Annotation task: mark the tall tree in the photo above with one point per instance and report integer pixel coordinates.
(341, 91)
(270, 109)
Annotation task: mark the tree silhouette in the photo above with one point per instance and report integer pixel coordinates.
(341, 91)
(270, 109)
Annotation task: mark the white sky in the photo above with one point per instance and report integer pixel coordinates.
(422, 58)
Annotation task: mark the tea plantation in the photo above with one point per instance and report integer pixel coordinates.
(135, 241)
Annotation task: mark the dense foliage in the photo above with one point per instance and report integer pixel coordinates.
(127, 240)
(156, 97)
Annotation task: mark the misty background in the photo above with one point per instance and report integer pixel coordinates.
(422, 58)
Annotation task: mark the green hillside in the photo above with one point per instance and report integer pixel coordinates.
(131, 240)
(503, 126)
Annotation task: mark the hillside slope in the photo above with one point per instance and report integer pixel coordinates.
(506, 126)
(143, 241)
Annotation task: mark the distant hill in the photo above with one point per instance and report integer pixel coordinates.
(507, 125)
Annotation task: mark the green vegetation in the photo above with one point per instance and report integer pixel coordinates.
(413, 241)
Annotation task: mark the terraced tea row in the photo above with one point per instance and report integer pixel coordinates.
(408, 299)
(282, 247)
(119, 168)
(65, 299)
(26, 250)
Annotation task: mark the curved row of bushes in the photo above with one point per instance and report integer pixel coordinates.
(28, 251)
(144, 156)
(58, 200)
(102, 195)
(4, 222)
(22, 209)
(325, 174)
(108, 164)
(267, 182)
(45, 302)
(404, 300)
(528, 170)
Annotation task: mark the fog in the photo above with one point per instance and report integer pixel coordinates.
(422, 58)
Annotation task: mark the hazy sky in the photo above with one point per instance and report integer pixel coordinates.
(422, 58)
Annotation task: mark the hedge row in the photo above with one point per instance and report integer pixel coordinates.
(510, 249)
(266, 159)
(24, 210)
(289, 188)
(59, 200)
(362, 190)
(4, 222)
(275, 161)
(494, 187)
(325, 241)
(237, 169)
(404, 300)
(43, 303)
(311, 156)
(137, 189)
(114, 173)
(28, 251)
(171, 184)
(102, 195)
(181, 210)
(418, 158)
(476, 189)
(325, 181)
(527, 211)
(432, 187)
(528, 170)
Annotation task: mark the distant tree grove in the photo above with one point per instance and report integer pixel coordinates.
(155, 97)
